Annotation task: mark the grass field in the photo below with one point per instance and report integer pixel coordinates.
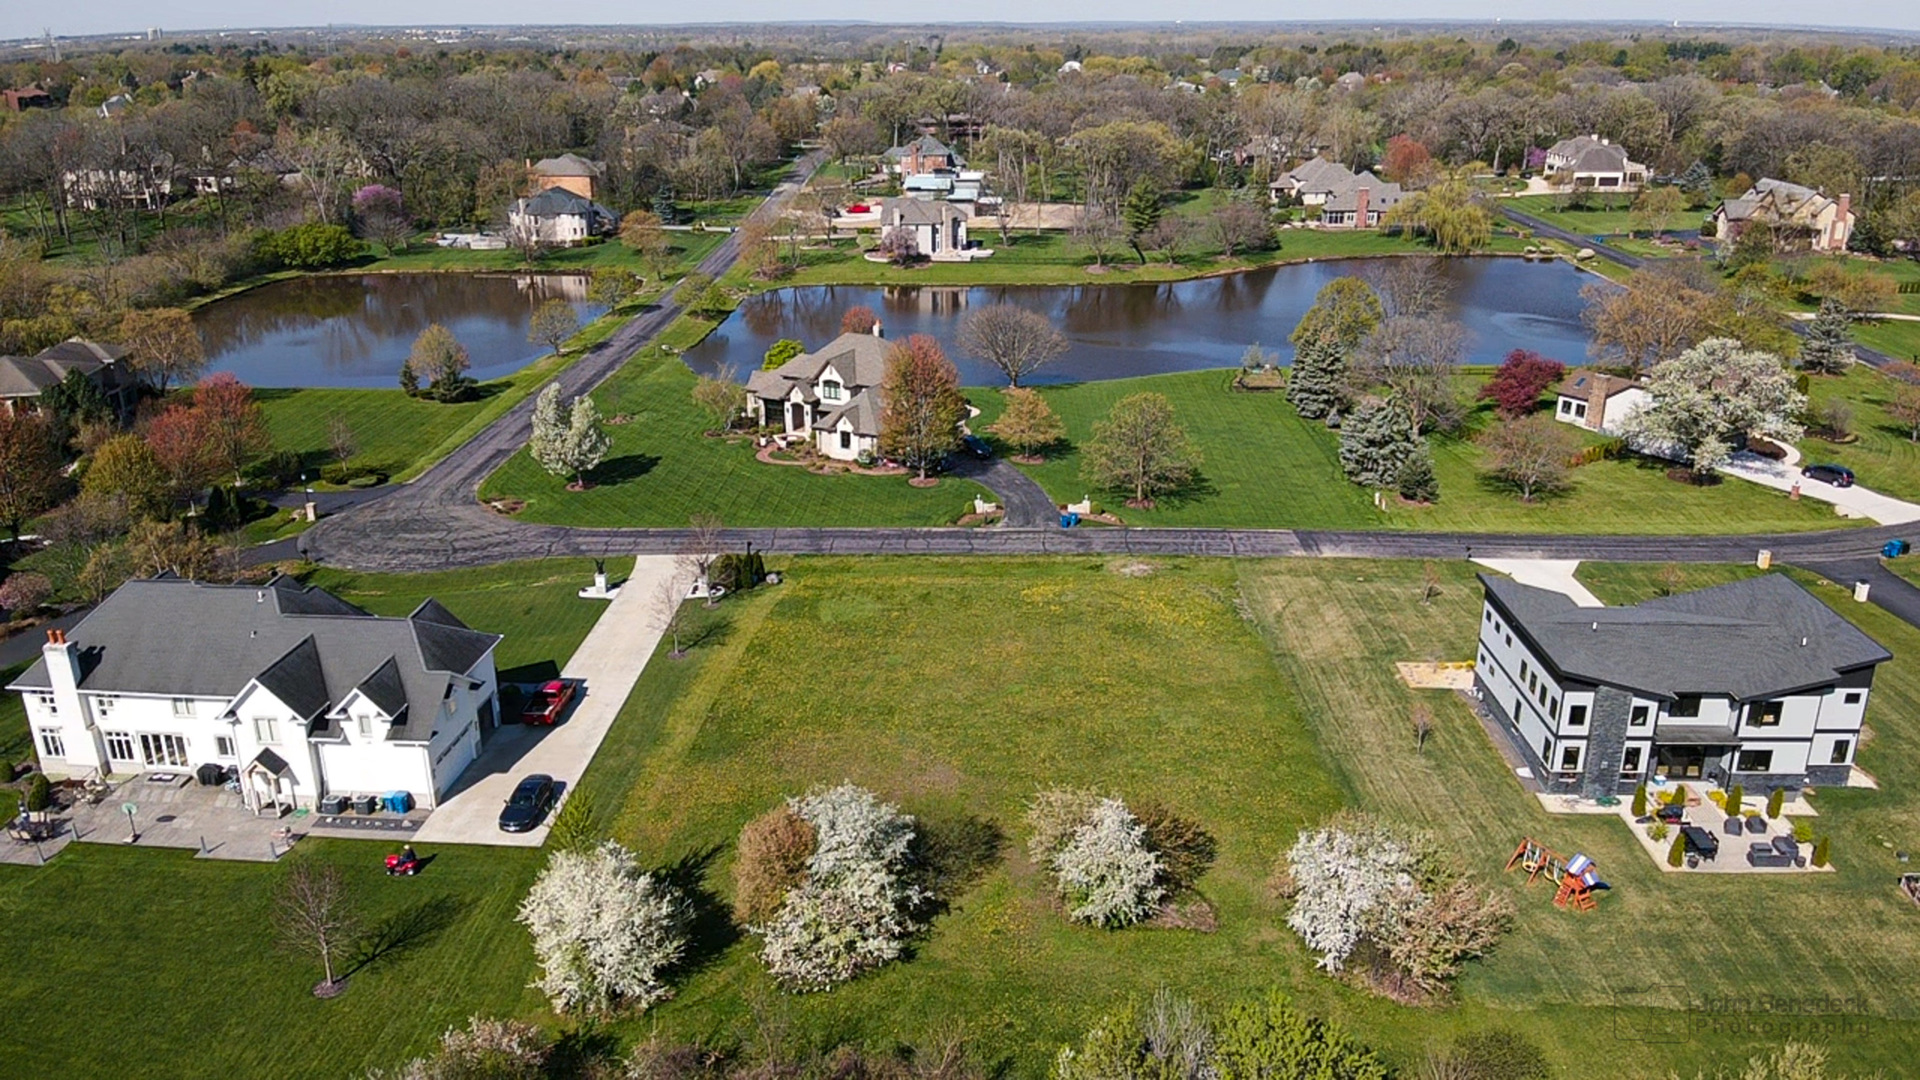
(1609, 216)
(1255, 697)
(1882, 456)
(663, 469)
(1264, 467)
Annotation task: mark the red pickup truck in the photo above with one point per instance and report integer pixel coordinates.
(547, 703)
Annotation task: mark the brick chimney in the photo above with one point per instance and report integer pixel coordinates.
(1597, 402)
(1360, 208)
(1837, 232)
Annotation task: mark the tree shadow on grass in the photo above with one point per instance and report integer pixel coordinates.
(623, 468)
(707, 627)
(1198, 489)
(404, 930)
(711, 930)
(952, 853)
(1490, 484)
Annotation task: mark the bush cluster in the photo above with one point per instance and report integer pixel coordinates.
(1113, 866)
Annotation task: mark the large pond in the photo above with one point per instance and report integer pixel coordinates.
(1116, 331)
(355, 329)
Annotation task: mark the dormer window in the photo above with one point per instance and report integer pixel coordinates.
(831, 390)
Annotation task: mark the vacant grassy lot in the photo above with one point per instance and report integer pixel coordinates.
(1606, 216)
(1264, 467)
(1883, 456)
(663, 468)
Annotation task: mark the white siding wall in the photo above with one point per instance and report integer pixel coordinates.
(1502, 652)
(367, 764)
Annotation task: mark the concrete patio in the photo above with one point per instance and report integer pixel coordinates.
(179, 813)
(1732, 856)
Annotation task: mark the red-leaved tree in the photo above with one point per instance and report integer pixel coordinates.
(236, 430)
(1522, 377)
(858, 319)
(1407, 161)
(181, 444)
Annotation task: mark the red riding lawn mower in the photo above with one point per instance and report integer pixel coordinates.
(406, 862)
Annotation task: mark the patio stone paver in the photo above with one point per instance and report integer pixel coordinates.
(210, 821)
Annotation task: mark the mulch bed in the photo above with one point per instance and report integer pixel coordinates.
(1683, 475)
(924, 481)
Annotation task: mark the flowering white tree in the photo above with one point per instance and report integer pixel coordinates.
(1348, 880)
(570, 440)
(1710, 396)
(605, 932)
(1105, 869)
(855, 908)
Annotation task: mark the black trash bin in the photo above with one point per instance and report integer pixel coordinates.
(211, 775)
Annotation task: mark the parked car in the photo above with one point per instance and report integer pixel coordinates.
(545, 705)
(528, 805)
(1837, 475)
(977, 446)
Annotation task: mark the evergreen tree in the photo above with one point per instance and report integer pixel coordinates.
(1376, 442)
(1317, 386)
(663, 207)
(1417, 481)
(1827, 350)
(1141, 213)
(1697, 182)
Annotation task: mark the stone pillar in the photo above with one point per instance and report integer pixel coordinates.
(1606, 742)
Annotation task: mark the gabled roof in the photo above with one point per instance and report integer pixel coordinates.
(926, 146)
(863, 413)
(1381, 194)
(568, 165)
(917, 212)
(1581, 382)
(1780, 203)
(27, 376)
(1750, 639)
(859, 359)
(172, 637)
(1315, 174)
(558, 201)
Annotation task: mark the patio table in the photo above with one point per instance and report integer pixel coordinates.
(1700, 841)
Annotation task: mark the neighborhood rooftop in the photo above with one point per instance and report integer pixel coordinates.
(1749, 639)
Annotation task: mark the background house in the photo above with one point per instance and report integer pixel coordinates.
(1589, 161)
(1360, 203)
(302, 693)
(569, 171)
(830, 397)
(1800, 217)
(24, 378)
(940, 228)
(1755, 682)
(923, 155)
(560, 216)
(1311, 182)
(1597, 401)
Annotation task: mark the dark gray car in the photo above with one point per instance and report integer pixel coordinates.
(528, 805)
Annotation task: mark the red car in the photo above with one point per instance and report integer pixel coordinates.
(547, 703)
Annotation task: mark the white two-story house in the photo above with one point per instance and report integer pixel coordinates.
(300, 692)
(831, 396)
(1754, 682)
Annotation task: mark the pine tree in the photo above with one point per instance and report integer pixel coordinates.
(1827, 350)
(1677, 853)
(1697, 182)
(1640, 800)
(1141, 212)
(1376, 442)
(1317, 385)
(1417, 481)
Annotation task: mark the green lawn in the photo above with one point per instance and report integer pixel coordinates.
(1608, 216)
(1264, 467)
(1883, 456)
(1254, 696)
(16, 742)
(1898, 338)
(663, 469)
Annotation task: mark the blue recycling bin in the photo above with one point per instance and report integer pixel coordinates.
(398, 802)
(1068, 521)
(1895, 548)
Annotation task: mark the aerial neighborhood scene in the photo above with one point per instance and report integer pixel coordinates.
(1038, 543)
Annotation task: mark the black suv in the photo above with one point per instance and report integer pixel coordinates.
(528, 805)
(1837, 475)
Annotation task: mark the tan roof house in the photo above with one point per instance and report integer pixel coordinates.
(1597, 401)
(24, 378)
(830, 397)
(1589, 161)
(1800, 217)
(569, 171)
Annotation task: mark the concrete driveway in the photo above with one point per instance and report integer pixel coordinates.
(1854, 501)
(605, 666)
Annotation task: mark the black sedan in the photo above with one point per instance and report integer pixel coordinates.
(1837, 475)
(976, 446)
(528, 805)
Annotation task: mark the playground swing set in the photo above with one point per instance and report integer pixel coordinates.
(1578, 877)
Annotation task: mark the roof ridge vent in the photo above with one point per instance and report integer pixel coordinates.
(1596, 626)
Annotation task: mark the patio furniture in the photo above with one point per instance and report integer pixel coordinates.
(1701, 842)
(1763, 855)
(1671, 813)
(1757, 825)
(1733, 826)
(1786, 845)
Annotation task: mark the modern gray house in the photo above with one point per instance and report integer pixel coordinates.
(1755, 682)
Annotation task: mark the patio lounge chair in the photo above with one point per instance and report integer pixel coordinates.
(1764, 855)
(1786, 845)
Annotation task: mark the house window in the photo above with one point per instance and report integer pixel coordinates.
(1685, 705)
(1638, 718)
(366, 726)
(1580, 409)
(846, 440)
(1566, 406)
(103, 706)
(47, 704)
(119, 746)
(266, 729)
(1553, 708)
(51, 745)
(1570, 759)
(223, 746)
(1540, 694)
(1487, 616)
(183, 707)
(1546, 747)
(1841, 747)
(1753, 761)
(1852, 698)
(1509, 641)
(830, 390)
(1523, 673)
(1630, 762)
(1576, 716)
(1765, 713)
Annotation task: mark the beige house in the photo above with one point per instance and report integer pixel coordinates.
(1597, 401)
(569, 171)
(1589, 161)
(1360, 203)
(830, 397)
(1800, 217)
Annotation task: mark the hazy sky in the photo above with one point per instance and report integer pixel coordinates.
(20, 18)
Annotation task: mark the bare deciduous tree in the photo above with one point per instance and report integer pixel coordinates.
(1011, 338)
(315, 914)
(1415, 358)
(1422, 726)
(667, 616)
(702, 548)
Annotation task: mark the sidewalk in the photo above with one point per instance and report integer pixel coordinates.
(606, 665)
(1554, 574)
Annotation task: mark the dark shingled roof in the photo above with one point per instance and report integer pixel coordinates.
(307, 647)
(1748, 640)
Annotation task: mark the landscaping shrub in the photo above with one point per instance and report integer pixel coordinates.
(1775, 801)
(281, 468)
(490, 1049)
(1496, 1055)
(1170, 1038)
(1677, 854)
(735, 572)
(771, 861)
(1657, 831)
(1639, 800)
(312, 246)
(1272, 1038)
(1736, 799)
(605, 932)
(1803, 831)
(1185, 849)
(575, 827)
(21, 594)
(1052, 816)
(856, 907)
(40, 795)
(1820, 851)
